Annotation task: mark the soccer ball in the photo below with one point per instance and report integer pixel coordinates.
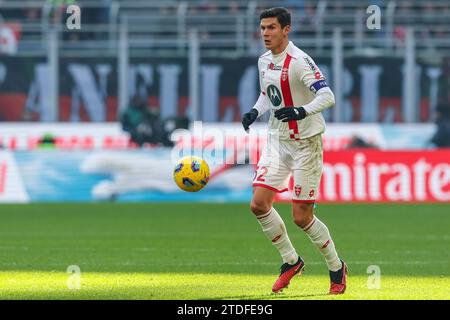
(191, 174)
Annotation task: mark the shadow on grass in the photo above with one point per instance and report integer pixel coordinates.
(272, 296)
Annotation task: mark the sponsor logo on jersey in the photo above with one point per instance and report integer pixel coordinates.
(311, 65)
(274, 95)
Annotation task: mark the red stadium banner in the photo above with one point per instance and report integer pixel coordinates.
(384, 176)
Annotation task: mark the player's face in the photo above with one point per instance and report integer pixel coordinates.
(272, 34)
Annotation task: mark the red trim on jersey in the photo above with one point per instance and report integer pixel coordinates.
(263, 92)
(287, 97)
(269, 187)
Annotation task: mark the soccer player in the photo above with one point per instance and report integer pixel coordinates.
(295, 92)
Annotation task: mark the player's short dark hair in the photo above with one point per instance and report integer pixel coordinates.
(282, 14)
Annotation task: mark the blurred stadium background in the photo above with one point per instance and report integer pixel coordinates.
(87, 116)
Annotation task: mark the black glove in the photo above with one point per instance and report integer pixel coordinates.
(290, 113)
(248, 118)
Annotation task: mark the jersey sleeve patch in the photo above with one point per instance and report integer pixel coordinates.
(318, 85)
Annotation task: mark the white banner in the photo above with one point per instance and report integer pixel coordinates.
(80, 136)
(110, 136)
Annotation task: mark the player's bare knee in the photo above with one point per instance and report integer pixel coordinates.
(302, 214)
(302, 222)
(259, 207)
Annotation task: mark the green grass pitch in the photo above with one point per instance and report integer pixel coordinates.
(215, 251)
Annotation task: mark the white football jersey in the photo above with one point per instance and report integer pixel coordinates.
(289, 79)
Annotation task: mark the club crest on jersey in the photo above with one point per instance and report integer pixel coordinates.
(311, 193)
(274, 95)
(298, 190)
(284, 74)
(273, 67)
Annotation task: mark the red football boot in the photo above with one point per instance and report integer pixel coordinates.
(288, 271)
(338, 280)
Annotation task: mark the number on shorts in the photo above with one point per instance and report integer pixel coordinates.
(261, 178)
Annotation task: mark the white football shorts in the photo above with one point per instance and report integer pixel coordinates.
(302, 158)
